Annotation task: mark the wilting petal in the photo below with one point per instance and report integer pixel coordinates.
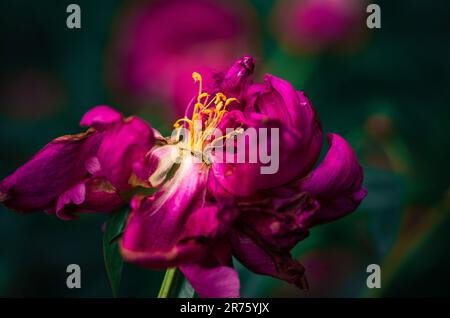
(56, 168)
(335, 183)
(172, 227)
(55, 178)
(100, 117)
(122, 147)
(214, 276)
(75, 195)
(216, 282)
(266, 261)
(274, 218)
(94, 194)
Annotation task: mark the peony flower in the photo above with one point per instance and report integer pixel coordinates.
(208, 205)
(154, 58)
(211, 210)
(320, 25)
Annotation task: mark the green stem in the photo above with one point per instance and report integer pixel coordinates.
(168, 283)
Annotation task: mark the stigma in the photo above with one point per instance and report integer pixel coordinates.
(207, 114)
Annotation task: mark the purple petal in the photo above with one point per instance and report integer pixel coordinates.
(274, 218)
(336, 182)
(276, 107)
(100, 117)
(171, 227)
(278, 103)
(122, 147)
(94, 194)
(237, 78)
(279, 100)
(161, 161)
(75, 195)
(267, 261)
(216, 282)
(53, 170)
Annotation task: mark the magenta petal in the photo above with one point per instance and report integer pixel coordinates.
(278, 105)
(237, 77)
(122, 147)
(267, 261)
(94, 194)
(93, 166)
(230, 177)
(100, 117)
(101, 196)
(216, 282)
(283, 112)
(75, 195)
(160, 162)
(273, 218)
(171, 227)
(279, 100)
(56, 168)
(336, 182)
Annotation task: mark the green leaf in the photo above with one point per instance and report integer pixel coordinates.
(113, 260)
(175, 285)
(186, 290)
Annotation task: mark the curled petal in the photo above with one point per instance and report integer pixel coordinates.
(237, 77)
(276, 220)
(336, 183)
(94, 194)
(122, 147)
(278, 99)
(75, 195)
(214, 277)
(277, 104)
(216, 282)
(265, 261)
(100, 117)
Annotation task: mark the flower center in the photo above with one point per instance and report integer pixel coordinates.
(206, 117)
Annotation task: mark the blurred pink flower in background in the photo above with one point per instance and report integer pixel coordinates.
(312, 26)
(159, 44)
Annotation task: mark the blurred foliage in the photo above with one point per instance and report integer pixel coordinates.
(114, 226)
(389, 98)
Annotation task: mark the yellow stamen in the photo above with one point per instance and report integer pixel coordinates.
(210, 112)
